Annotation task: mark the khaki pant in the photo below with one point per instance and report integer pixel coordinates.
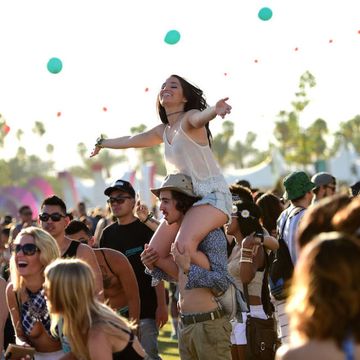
(207, 340)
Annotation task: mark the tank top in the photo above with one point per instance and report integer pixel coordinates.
(128, 353)
(33, 310)
(71, 250)
(185, 156)
(255, 285)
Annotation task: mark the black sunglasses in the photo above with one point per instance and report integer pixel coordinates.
(54, 217)
(118, 200)
(27, 249)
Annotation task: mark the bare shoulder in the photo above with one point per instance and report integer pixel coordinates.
(116, 259)
(186, 120)
(97, 334)
(158, 131)
(115, 254)
(11, 297)
(99, 343)
(84, 251)
(2, 284)
(10, 290)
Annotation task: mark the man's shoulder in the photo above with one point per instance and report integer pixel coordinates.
(216, 234)
(110, 227)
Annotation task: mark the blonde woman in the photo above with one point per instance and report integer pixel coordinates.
(324, 305)
(32, 250)
(93, 329)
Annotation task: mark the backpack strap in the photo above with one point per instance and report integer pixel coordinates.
(296, 210)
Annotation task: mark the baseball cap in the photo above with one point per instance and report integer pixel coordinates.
(355, 188)
(177, 182)
(122, 185)
(297, 184)
(323, 178)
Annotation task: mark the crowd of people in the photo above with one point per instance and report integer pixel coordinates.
(81, 285)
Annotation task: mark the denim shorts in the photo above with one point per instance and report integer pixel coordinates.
(219, 200)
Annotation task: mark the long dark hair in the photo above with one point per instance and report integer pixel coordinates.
(271, 208)
(183, 202)
(248, 218)
(195, 100)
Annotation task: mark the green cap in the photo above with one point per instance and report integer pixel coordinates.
(297, 184)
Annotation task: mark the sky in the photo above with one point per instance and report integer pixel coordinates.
(115, 59)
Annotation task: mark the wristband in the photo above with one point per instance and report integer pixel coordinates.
(261, 236)
(99, 141)
(150, 216)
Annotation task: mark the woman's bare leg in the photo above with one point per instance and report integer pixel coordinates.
(163, 237)
(197, 223)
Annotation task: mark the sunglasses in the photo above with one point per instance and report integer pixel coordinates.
(27, 249)
(54, 217)
(118, 200)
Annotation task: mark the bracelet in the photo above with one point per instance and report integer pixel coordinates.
(99, 141)
(150, 216)
(246, 256)
(247, 253)
(247, 249)
(260, 236)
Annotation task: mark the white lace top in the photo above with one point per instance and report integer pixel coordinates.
(185, 156)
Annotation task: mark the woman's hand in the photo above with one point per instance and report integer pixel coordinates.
(251, 242)
(182, 260)
(95, 150)
(149, 257)
(222, 108)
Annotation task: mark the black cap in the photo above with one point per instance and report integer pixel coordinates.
(122, 185)
(355, 188)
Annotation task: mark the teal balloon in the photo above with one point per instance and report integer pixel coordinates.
(265, 14)
(172, 37)
(54, 65)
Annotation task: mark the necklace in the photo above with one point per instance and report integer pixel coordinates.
(174, 113)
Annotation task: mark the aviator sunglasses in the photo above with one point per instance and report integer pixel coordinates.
(118, 200)
(54, 217)
(27, 249)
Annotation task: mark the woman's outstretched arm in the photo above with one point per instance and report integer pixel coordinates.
(198, 119)
(148, 138)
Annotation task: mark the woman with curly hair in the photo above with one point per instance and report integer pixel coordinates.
(324, 303)
(93, 329)
(248, 266)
